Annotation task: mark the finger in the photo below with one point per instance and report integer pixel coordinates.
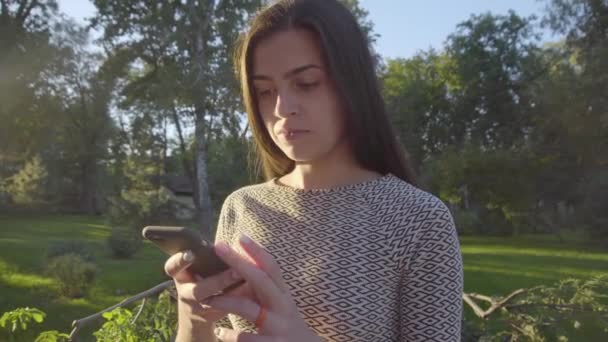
(204, 288)
(200, 289)
(264, 260)
(243, 290)
(264, 288)
(176, 266)
(229, 335)
(248, 310)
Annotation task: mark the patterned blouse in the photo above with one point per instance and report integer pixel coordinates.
(374, 261)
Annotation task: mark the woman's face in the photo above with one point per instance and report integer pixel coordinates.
(297, 99)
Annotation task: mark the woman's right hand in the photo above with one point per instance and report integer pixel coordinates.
(192, 289)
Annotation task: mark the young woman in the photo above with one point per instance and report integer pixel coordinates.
(342, 246)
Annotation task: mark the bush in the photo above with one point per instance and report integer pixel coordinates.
(26, 187)
(467, 221)
(74, 274)
(157, 322)
(123, 243)
(64, 247)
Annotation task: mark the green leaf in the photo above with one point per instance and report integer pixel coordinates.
(38, 316)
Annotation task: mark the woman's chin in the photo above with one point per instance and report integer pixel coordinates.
(300, 156)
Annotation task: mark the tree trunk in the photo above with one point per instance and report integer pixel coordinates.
(188, 168)
(202, 24)
(205, 213)
(88, 187)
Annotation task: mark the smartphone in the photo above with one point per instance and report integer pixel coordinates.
(177, 239)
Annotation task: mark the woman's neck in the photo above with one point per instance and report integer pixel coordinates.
(336, 170)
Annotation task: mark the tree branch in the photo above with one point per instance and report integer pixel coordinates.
(494, 304)
(478, 310)
(29, 9)
(141, 308)
(79, 323)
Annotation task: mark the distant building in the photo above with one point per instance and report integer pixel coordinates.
(181, 196)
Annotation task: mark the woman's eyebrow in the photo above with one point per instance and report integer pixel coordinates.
(290, 73)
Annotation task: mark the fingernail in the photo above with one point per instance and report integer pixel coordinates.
(246, 239)
(188, 256)
(222, 248)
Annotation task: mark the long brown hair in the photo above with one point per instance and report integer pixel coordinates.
(347, 54)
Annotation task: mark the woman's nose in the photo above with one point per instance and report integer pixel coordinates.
(286, 105)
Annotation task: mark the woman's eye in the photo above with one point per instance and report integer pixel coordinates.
(264, 93)
(307, 85)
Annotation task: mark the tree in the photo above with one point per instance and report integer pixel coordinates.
(575, 133)
(416, 91)
(85, 91)
(181, 51)
(25, 53)
(495, 58)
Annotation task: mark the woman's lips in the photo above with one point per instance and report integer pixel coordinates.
(293, 134)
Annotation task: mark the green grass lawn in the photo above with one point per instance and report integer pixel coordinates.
(493, 266)
(23, 246)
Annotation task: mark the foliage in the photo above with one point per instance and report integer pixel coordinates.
(142, 201)
(17, 322)
(156, 322)
(27, 187)
(551, 313)
(227, 154)
(63, 247)
(497, 184)
(123, 242)
(543, 313)
(52, 336)
(74, 274)
(20, 318)
(467, 221)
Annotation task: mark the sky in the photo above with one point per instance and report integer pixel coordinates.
(405, 26)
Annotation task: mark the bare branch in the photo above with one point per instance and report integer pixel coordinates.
(478, 310)
(481, 297)
(141, 308)
(495, 305)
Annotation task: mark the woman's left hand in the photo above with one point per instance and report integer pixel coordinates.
(283, 321)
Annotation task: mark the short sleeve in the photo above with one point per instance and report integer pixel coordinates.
(432, 283)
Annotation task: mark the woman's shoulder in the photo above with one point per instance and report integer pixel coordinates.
(246, 192)
(409, 203)
(399, 192)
